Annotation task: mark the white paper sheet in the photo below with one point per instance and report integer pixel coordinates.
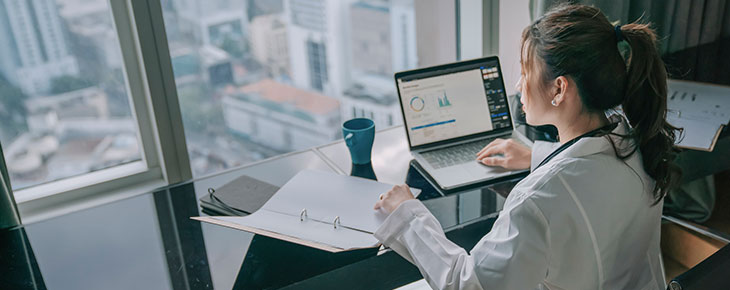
(696, 135)
(309, 233)
(699, 101)
(325, 196)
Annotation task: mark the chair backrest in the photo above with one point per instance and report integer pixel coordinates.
(711, 273)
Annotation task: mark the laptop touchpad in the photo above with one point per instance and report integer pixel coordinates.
(480, 171)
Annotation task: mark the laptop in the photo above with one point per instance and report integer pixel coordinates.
(450, 113)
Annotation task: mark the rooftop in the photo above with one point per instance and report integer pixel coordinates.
(374, 88)
(283, 94)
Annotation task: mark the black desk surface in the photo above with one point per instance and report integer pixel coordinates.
(149, 242)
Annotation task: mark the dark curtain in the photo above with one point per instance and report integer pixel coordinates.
(695, 35)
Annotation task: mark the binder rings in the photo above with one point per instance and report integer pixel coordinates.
(322, 210)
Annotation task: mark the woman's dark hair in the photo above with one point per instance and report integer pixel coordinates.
(579, 41)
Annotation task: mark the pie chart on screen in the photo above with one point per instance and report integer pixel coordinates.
(417, 104)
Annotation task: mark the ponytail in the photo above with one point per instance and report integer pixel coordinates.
(645, 107)
(579, 41)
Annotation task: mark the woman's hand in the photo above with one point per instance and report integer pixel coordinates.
(393, 198)
(505, 153)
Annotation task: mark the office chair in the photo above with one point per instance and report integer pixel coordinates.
(712, 273)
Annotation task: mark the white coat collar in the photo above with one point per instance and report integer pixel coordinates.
(600, 145)
(588, 146)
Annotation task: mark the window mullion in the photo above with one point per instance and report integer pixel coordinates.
(135, 80)
(161, 93)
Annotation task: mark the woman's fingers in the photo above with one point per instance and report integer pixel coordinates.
(491, 151)
(494, 161)
(383, 198)
(490, 145)
(391, 199)
(378, 205)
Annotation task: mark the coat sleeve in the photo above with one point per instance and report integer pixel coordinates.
(540, 150)
(512, 256)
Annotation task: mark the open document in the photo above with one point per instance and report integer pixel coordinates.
(322, 210)
(701, 109)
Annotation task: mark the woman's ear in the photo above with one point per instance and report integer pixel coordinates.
(560, 87)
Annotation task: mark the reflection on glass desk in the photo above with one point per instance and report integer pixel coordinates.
(390, 155)
(149, 241)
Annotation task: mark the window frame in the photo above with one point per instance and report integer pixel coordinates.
(151, 88)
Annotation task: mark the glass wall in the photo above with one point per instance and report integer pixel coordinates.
(64, 105)
(259, 78)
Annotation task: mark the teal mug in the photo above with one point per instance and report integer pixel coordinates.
(359, 135)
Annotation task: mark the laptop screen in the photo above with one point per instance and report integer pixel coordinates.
(453, 101)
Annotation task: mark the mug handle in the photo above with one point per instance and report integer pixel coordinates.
(349, 140)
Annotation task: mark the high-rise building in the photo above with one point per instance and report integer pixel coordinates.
(318, 44)
(91, 20)
(264, 7)
(404, 53)
(34, 49)
(213, 22)
(382, 35)
(269, 43)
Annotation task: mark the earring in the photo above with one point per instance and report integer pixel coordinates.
(554, 103)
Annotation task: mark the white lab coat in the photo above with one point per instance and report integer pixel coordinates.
(584, 220)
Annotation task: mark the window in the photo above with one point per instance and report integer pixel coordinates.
(233, 82)
(64, 101)
(259, 78)
(317, 65)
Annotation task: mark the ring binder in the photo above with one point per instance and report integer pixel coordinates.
(326, 222)
(336, 222)
(211, 190)
(303, 215)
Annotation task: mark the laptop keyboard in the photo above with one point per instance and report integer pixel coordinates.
(458, 154)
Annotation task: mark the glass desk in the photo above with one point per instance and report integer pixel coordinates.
(149, 241)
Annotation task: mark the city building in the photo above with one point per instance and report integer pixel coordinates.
(404, 52)
(269, 43)
(264, 7)
(319, 48)
(75, 147)
(216, 22)
(45, 113)
(34, 49)
(208, 64)
(92, 20)
(382, 35)
(372, 96)
(281, 116)
(69, 134)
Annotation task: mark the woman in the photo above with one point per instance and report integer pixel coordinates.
(588, 215)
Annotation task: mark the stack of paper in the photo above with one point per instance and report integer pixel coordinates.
(318, 209)
(701, 109)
